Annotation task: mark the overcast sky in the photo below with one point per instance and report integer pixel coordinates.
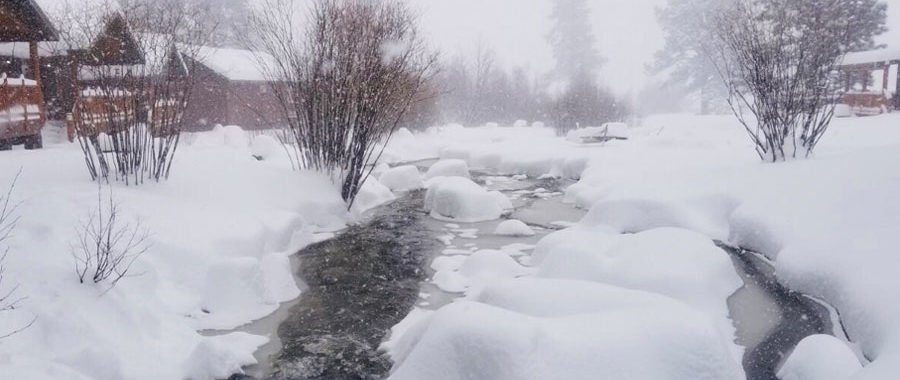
(626, 31)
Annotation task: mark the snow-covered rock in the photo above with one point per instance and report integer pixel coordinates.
(514, 228)
(460, 199)
(448, 168)
(820, 357)
(402, 178)
(458, 274)
(682, 264)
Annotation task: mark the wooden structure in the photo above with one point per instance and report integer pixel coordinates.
(22, 107)
(103, 109)
(858, 71)
(231, 88)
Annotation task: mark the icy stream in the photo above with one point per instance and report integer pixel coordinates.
(367, 279)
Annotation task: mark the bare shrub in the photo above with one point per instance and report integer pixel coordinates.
(779, 61)
(9, 300)
(107, 246)
(344, 82)
(132, 90)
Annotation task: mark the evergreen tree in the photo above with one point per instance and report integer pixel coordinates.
(572, 39)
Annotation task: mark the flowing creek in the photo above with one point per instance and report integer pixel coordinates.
(365, 280)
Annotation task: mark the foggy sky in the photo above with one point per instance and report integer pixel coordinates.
(626, 31)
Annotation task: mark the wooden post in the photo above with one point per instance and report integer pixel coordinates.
(897, 90)
(867, 76)
(886, 76)
(73, 116)
(36, 72)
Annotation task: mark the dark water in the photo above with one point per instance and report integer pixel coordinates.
(360, 284)
(770, 319)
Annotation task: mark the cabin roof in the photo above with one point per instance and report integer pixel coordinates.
(871, 57)
(25, 21)
(236, 64)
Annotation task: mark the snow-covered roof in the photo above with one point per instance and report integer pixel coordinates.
(236, 64)
(871, 56)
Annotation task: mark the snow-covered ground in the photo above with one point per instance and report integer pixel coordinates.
(636, 289)
(221, 230)
(680, 181)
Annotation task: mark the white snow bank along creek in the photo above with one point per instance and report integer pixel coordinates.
(221, 228)
(828, 224)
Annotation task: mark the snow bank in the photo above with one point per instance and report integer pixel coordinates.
(371, 195)
(460, 199)
(221, 231)
(541, 329)
(402, 178)
(820, 357)
(448, 168)
(514, 228)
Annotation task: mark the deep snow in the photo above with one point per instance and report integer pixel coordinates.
(678, 183)
(221, 231)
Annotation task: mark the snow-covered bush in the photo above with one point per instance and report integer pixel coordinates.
(106, 247)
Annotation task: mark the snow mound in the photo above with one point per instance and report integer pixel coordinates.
(652, 339)
(820, 357)
(457, 274)
(372, 194)
(402, 178)
(682, 264)
(448, 168)
(265, 147)
(514, 228)
(460, 199)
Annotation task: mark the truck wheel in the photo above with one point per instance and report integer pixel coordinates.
(34, 142)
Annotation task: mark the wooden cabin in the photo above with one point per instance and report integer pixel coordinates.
(22, 106)
(871, 80)
(232, 88)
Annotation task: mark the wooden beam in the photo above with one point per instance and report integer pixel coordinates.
(36, 72)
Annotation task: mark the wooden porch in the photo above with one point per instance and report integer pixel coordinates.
(861, 93)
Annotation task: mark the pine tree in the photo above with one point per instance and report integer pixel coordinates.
(685, 59)
(573, 42)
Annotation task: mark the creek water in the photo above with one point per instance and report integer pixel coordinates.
(366, 279)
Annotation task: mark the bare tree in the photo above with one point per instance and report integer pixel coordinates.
(343, 82)
(107, 246)
(134, 60)
(778, 60)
